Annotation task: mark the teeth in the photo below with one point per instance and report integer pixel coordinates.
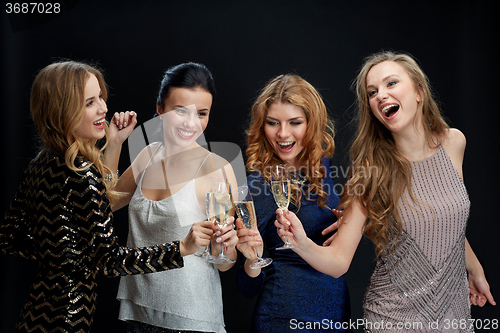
(284, 144)
(99, 122)
(387, 108)
(184, 133)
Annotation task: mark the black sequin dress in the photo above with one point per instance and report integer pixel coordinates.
(63, 220)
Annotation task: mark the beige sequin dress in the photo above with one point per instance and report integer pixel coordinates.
(422, 285)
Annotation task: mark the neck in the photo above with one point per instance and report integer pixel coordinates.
(176, 154)
(412, 143)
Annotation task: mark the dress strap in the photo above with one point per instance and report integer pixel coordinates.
(209, 155)
(139, 184)
(222, 169)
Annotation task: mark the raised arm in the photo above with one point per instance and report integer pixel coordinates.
(334, 259)
(120, 127)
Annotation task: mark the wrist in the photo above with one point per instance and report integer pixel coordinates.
(251, 272)
(183, 249)
(475, 270)
(304, 247)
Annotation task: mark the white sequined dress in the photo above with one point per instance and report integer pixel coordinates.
(189, 300)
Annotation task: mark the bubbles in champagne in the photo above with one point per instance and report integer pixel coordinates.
(281, 193)
(246, 212)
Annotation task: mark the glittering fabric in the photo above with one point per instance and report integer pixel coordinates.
(423, 284)
(138, 327)
(187, 299)
(62, 219)
(292, 294)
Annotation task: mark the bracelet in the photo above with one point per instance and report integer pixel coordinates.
(108, 177)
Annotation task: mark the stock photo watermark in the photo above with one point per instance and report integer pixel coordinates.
(450, 325)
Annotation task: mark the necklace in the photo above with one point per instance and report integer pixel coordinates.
(297, 178)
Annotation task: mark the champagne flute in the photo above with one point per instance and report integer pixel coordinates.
(219, 205)
(246, 212)
(280, 186)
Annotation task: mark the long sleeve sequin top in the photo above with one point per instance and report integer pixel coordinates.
(63, 220)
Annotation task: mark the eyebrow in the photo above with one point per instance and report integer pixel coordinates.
(295, 118)
(91, 98)
(385, 79)
(183, 107)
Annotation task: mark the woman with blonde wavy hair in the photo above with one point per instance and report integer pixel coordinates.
(290, 125)
(406, 193)
(61, 214)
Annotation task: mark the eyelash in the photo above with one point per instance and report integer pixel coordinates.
(295, 123)
(390, 84)
(89, 104)
(200, 114)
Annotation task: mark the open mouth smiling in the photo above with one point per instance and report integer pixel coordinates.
(389, 110)
(285, 146)
(99, 122)
(185, 134)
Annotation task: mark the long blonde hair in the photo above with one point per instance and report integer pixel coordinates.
(58, 108)
(318, 141)
(374, 149)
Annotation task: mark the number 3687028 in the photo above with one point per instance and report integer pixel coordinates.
(32, 8)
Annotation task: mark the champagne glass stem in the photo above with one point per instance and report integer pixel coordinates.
(286, 245)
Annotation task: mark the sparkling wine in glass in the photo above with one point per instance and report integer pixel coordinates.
(219, 205)
(246, 212)
(280, 186)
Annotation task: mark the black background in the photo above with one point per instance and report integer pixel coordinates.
(244, 44)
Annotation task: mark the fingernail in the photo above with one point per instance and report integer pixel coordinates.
(124, 124)
(218, 240)
(217, 233)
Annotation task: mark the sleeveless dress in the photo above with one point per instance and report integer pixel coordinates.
(190, 300)
(422, 285)
(293, 296)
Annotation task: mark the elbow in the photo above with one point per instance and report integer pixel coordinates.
(340, 270)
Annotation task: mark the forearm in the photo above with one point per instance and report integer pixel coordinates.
(472, 264)
(111, 156)
(326, 260)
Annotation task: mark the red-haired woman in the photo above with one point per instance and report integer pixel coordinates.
(290, 126)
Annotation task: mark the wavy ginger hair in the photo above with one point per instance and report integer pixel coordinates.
(58, 108)
(374, 147)
(318, 141)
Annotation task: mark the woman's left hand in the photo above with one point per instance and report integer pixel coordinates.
(227, 236)
(334, 226)
(479, 290)
(121, 125)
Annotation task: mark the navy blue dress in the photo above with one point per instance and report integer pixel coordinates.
(293, 296)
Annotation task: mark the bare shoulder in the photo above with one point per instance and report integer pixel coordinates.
(219, 161)
(454, 142)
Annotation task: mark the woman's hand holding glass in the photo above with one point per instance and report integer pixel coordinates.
(290, 228)
(227, 237)
(249, 241)
(280, 186)
(247, 221)
(219, 204)
(199, 235)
